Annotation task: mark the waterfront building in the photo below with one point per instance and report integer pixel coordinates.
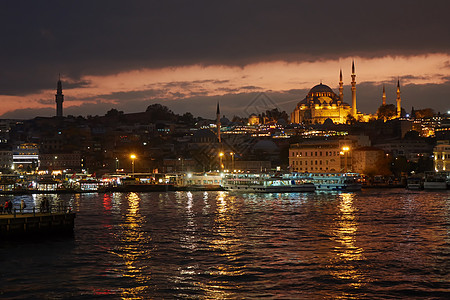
(6, 158)
(5, 129)
(442, 129)
(26, 156)
(369, 160)
(60, 161)
(410, 149)
(321, 156)
(441, 155)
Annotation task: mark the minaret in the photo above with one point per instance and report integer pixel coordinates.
(399, 100)
(384, 96)
(59, 98)
(341, 87)
(354, 111)
(218, 123)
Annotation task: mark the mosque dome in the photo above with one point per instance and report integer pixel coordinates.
(321, 88)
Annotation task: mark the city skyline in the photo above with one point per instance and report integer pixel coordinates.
(189, 56)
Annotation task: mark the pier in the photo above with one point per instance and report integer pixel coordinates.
(36, 224)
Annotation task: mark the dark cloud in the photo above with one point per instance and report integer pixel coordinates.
(46, 101)
(132, 95)
(43, 38)
(250, 87)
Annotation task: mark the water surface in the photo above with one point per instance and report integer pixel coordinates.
(217, 245)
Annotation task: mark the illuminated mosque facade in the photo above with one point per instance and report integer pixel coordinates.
(322, 103)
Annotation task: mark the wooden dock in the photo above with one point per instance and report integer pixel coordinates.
(36, 224)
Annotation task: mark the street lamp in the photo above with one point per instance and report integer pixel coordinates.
(221, 154)
(133, 157)
(182, 164)
(345, 151)
(232, 161)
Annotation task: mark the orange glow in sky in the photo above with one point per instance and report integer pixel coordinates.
(181, 82)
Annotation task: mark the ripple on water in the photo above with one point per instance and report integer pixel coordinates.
(370, 244)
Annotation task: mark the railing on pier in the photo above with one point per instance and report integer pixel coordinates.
(32, 222)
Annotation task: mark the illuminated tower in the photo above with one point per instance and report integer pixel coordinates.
(354, 111)
(59, 98)
(218, 123)
(399, 100)
(341, 87)
(384, 96)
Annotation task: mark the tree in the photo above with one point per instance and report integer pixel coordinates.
(387, 112)
(424, 113)
(274, 115)
(188, 118)
(113, 113)
(160, 112)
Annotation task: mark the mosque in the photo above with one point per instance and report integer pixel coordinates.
(321, 103)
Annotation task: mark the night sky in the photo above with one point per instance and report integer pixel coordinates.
(188, 55)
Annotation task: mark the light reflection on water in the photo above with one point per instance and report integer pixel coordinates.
(346, 251)
(217, 245)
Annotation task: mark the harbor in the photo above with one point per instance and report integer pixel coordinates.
(216, 181)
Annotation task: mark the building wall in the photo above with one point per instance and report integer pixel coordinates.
(318, 114)
(442, 156)
(367, 159)
(411, 149)
(322, 156)
(252, 166)
(60, 161)
(315, 158)
(6, 159)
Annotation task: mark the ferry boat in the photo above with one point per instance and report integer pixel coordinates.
(414, 183)
(137, 182)
(436, 180)
(266, 183)
(209, 181)
(333, 181)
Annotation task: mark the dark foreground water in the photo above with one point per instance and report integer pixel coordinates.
(215, 245)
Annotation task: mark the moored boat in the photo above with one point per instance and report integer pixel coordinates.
(266, 183)
(333, 181)
(436, 181)
(209, 181)
(414, 183)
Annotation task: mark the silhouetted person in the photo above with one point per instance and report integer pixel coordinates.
(10, 206)
(22, 206)
(45, 205)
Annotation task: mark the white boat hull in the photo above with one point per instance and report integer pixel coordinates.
(349, 182)
(338, 187)
(435, 185)
(303, 188)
